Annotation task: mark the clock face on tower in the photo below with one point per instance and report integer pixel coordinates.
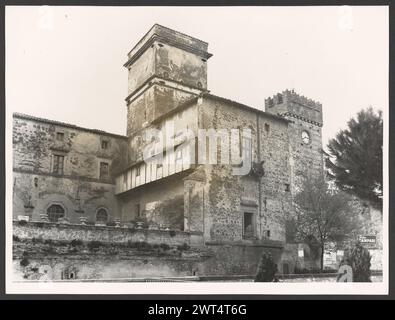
(305, 137)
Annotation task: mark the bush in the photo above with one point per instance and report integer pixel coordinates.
(76, 242)
(359, 259)
(15, 238)
(48, 241)
(24, 262)
(22, 222)
(266, 269)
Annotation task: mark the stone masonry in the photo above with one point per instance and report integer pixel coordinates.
(107, 178)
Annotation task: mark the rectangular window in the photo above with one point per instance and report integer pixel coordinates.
(104, 170)
(137, 171)
(248, 225)
(58, 164)
(104, 144)
(59, 136)
(138, 210)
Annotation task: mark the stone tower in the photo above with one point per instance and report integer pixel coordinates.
(165, 67)
(305, 136)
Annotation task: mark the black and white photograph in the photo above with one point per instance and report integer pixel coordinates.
(179, 150)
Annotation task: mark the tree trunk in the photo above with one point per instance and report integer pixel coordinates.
(322, 256)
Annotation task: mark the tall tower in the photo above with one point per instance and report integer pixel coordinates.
(165, 67)
(305, 136)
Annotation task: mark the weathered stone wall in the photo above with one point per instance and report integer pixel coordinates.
(69, 232)
(46, 251)
(306, 159)
(160, 202)
(72, 194)
(237, 258)
(229, 196)
(36, 186)
(102, 268)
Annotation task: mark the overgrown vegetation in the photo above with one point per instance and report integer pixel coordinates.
(266, 269)
(359, 259)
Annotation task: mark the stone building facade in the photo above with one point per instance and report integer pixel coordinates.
(64, 173)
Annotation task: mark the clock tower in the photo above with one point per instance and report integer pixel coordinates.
(305, 134)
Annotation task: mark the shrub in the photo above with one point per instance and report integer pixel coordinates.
(22, 222)
(359, 259)
(266, 269)
(76, 242)
(15, 238)
(48, 241)
(24, 262)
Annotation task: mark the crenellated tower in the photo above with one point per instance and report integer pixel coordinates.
(305, 132)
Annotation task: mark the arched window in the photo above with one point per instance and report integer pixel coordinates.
(101, 216)
(55, 212)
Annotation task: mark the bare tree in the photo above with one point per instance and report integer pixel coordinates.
(323, 213)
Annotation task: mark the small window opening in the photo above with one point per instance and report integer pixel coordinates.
(104, 170)
(59, 136)
(104, 144)
(137, 208)
(248, 226)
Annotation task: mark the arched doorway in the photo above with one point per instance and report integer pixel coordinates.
(55, 212)
(101, 216)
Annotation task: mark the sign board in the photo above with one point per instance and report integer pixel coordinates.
(368, 241)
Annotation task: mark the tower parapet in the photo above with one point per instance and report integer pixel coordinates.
(290, 104)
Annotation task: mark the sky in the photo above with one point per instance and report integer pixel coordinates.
(65, 63)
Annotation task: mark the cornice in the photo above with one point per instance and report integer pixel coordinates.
(169, 41)
(293, 115)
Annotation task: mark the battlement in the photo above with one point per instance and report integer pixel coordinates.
(290, 104)
(289, 96)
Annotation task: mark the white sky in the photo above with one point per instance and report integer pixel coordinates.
(65, 63)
